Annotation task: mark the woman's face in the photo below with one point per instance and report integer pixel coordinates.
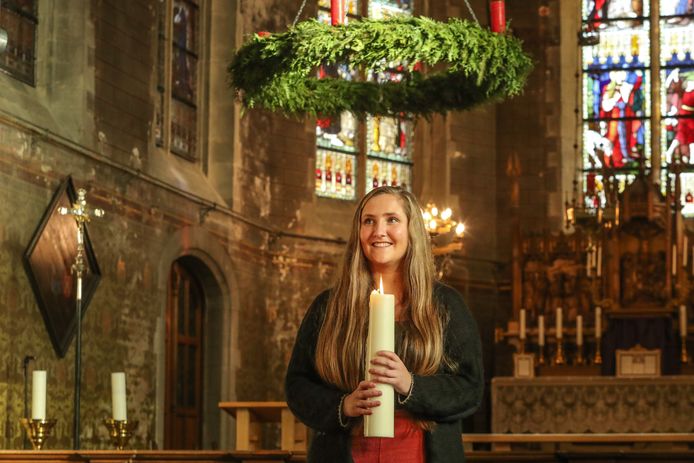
(383, 232)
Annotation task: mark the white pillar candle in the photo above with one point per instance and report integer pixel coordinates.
(598, 322)
(38, 395)
(579, 330)
(683, 321)
(381, 337)
(598, 265)
(541, 330)
(559, 324)
(521, 332)
(674, 259)
(685, 251)
(118, 402)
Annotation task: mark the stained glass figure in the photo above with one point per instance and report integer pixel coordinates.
(677, 81)
(382, 173)
(337, 132)
(335, 175)
(599, 14)
(19, 19)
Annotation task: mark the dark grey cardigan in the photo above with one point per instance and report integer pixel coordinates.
(446, 398)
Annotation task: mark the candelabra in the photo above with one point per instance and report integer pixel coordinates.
(579, 355)
(38, 431)
(120, 431)
(559, 355)
(446, 235)
(597, 359)
(541, 354)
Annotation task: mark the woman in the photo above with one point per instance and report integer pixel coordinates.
(436, 370)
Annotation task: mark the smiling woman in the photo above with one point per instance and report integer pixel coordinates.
(383, 236)
(436, 367)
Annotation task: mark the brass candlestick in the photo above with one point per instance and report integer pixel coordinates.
(37, 431)
(685, 357)
(597, 359)
(559, 356)
(540, 354)
(120, 431)
(579, 355)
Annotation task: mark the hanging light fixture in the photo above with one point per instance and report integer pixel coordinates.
(446, 234)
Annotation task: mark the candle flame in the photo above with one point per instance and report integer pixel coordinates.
(381, 285)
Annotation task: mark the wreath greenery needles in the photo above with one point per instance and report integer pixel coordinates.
(278, 71)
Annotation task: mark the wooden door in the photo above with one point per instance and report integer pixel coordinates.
(184, 357)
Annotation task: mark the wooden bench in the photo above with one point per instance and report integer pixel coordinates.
(249, 416)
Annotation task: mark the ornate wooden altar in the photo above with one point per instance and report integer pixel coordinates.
(632, 257)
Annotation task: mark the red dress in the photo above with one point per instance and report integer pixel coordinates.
(407, 445)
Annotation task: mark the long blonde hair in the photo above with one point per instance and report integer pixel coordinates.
(340, 348)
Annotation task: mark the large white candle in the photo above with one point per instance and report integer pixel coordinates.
(521, 333)
(683, 321)
(38, 395)
(118, 402)
(579, 330)
(559, 324)
(381, 337)
(598, 322)
(541, 330)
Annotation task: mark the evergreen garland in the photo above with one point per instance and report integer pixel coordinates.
(278, 71)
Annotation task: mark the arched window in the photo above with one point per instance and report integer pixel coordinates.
(637, 92)
(384, 155)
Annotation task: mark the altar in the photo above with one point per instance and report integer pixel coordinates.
(593, 404)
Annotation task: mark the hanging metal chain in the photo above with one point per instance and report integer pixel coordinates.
(471, 11)
(303, 4)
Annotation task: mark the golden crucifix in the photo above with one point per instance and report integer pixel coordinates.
(82, 215)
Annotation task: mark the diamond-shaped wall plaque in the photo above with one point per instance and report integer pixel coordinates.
(48, 261)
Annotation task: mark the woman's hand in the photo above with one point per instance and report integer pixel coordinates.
(358, 403)
(387, 368)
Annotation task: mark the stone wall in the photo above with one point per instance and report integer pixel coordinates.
(246, 213)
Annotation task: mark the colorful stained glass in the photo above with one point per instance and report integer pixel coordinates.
(594, 187)
(676, 7)
(382, 9)
(616, 94)
(19, 20)
(619, 144)
(381, 173)
(352, 8)
(687, 198)
(677, 83)
(335, 174)
(601, 13)
(390, 137)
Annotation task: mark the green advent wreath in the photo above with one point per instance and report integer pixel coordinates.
(278, 71)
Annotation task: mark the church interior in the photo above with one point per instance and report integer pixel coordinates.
(161, 238)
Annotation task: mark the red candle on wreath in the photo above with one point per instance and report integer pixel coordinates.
(337, 12)
(498, 16)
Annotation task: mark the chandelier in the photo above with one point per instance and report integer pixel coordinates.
(446, 234)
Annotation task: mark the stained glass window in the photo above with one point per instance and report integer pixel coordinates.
(178, 102)
(387, 145)
(18, 18)
(389, 139)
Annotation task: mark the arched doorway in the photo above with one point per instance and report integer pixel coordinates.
(193, 356)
